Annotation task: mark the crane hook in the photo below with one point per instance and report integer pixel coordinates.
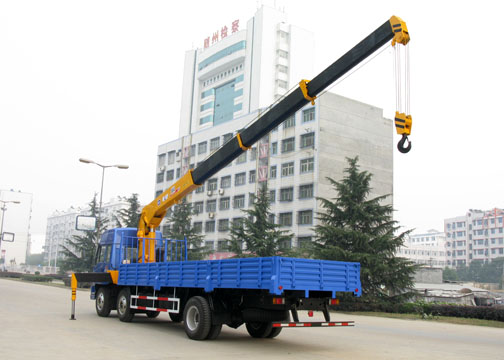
(400, 144)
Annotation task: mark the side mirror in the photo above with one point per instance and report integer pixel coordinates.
(85, 223)
(8, 237)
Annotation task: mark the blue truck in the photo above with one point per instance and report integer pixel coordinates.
(139, 272)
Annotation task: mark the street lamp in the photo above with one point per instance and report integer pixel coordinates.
(4, 208)
(87, 161)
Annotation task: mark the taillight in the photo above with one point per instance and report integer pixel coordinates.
(333, 301)
(278, 301)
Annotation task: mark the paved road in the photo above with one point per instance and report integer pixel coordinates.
(34, 323)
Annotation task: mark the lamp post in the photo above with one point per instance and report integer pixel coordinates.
(4, 208)
(87, 161)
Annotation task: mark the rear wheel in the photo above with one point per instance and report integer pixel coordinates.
(103, 302)
(274, 332)
(259, 329)
(197, 318)
(124, 311)
(176, 317)
(214, 332)
(152, 314)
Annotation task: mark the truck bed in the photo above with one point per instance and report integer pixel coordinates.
(275, 274)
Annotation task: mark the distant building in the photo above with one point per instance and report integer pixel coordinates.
(476, 236)
(61, 227)
(429, 249)
(230, 82)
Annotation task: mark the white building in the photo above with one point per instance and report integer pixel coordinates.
(226, 86)
(61, 226)
(477, 235)
(428, 248)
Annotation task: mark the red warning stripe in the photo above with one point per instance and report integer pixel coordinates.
(312, 324)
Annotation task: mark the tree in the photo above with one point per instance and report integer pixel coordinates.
(261, 237)
(129, 217)
(355, 228)
(449, 274)
(180, 227)
(79, 251)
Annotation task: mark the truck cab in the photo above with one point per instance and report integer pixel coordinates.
(118, 246)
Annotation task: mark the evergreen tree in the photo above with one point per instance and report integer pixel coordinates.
(129, 217)
(180, 227)
(353, 228)
(79, 251)
(261, 237)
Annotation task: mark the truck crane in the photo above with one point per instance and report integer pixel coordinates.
(140, 272)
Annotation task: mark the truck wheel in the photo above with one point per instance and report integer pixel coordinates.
(152, 314)
(259, 329)
(274, 332)
(176, 317)
(124, 311)
(214, 332)
(197, 318)
(103, 302)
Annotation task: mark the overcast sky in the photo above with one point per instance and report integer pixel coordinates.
(102, 80)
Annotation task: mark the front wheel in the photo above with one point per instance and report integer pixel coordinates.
(103, 302)
(197, 318)
(259, 329)
(124, 311)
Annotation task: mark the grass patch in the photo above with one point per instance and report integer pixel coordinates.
(443, 319)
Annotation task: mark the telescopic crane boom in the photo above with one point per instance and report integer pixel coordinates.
(394, 29)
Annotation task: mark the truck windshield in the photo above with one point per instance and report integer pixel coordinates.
(104, 253)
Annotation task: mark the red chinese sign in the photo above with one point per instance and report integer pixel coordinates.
(223, 33)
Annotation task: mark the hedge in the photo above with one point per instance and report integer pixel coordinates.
(428, 309)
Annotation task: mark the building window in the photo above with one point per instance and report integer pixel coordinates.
(285, 244)
(223, 225)
(198, 207)
(226, 137)
(240, 179)
(305, 217)
(290, 122)
(288, 169)
(170, 175)
(192, 150)
(225, 182)
(282, 69)
(198, 227)
(285, 219)
(200, 189)
(210, 226)
(304, 241)
(171, 157)
(161, 159)
(288, 145)
(178, 173)
(274, 148)
(273, 172)
(306, 191)
(309, 114)
(242, 158)
(253, 154)
(272, 196)
(211, 205)
(160, 177)
(283, 54)
(271, 218)
(159, 192)
(212, 185)
(224, 203)
(307, 165)
(307, 140)
(209, 245)
(202, 148)
(287, 194)
(222, 245)
(214, 144)
(252, 176)
(239, 202)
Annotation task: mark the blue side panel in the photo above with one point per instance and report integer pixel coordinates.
(275, 274)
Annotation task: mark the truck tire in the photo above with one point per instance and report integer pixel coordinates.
(152, 314)
(274, 332)
(103, 302)
(124, 311)
(197, 318)
(214, 332)
(259, 330)
(176, 317)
